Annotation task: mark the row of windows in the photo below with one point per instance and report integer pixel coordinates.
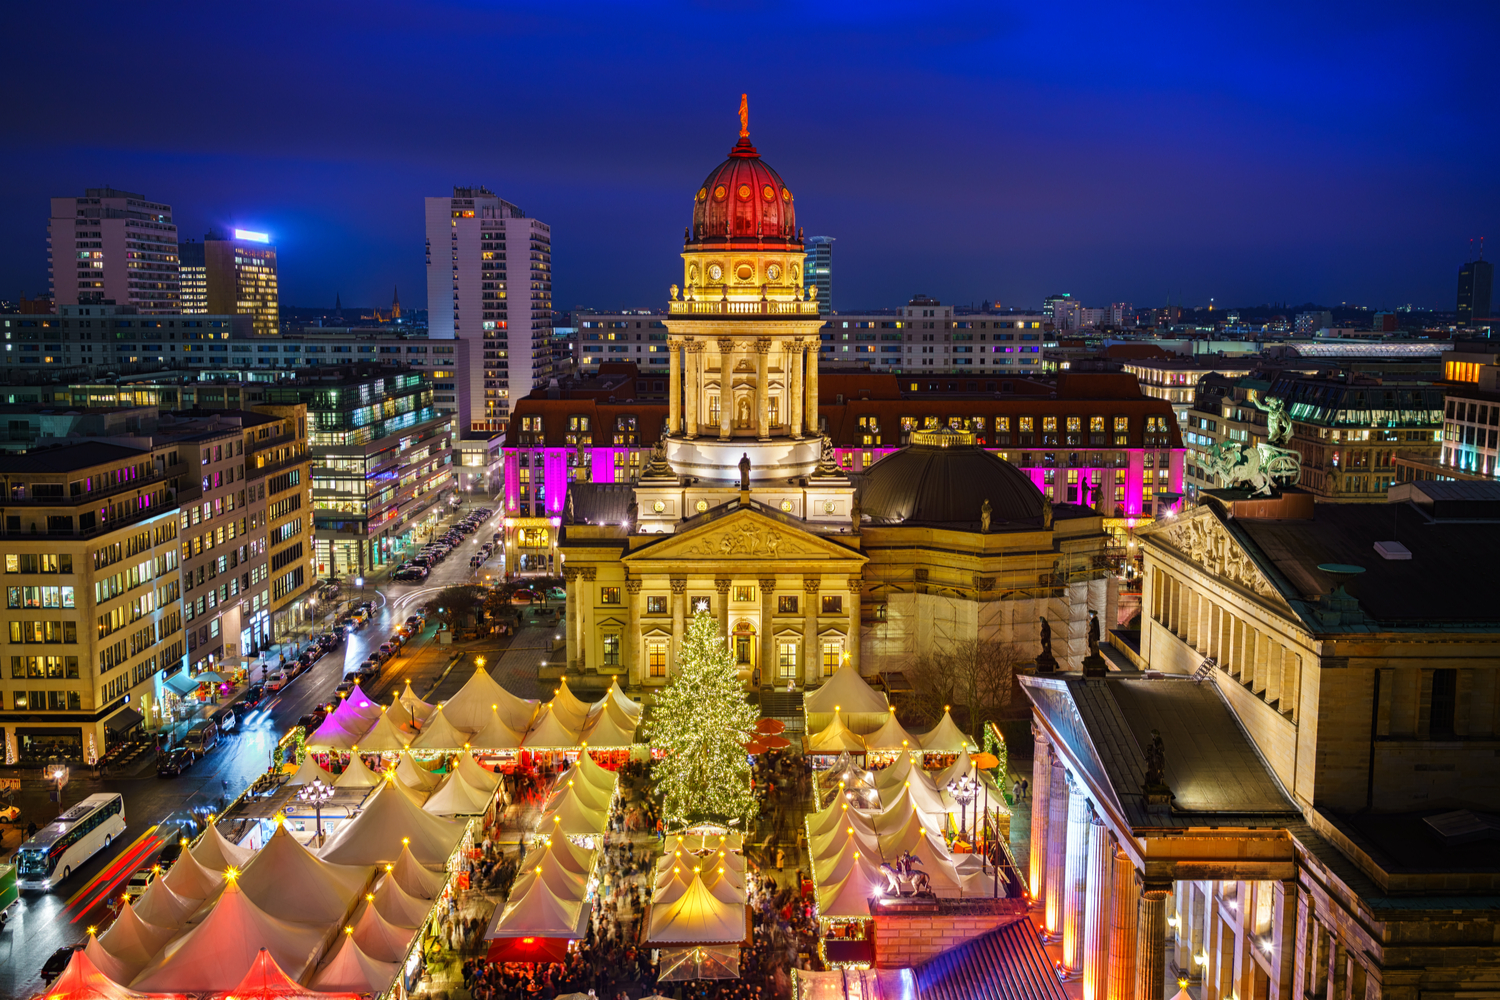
(44, 667)
(832, 655)
(786, 604)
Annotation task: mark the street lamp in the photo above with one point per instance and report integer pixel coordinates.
(57, 772)
(316, 792)
(964, 788)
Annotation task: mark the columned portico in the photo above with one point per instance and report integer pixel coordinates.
(1074, 874)
(633, 632)
(1057, 848)
(1041, 794)
(811, 648)
(1098, 889)
(1151, 940)
(1122, 925)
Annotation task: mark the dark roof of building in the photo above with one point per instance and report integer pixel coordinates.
(1440, 583)
(1008, 962)
(600, 503)
(948, 485)
(63, 458)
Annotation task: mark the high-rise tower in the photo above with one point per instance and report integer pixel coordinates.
(1475, 280)
(743, 332)
(241, 278)
(820, 270)
(113, 246)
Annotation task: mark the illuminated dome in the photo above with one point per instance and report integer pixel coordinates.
(744, 203)
(943, 478)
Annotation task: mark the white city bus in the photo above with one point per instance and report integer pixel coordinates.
(57, 850)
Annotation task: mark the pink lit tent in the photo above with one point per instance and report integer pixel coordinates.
(362, 705)
(337, 732)
(265, 981)
(81, 979)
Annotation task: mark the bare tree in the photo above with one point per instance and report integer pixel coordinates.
(974, 677)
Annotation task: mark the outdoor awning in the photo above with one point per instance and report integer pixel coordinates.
(182, 684)
(123, 721)
(210, 677)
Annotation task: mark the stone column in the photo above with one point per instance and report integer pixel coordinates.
(1074, 875)
(1124, 913)
(694, 366)
(726, 387)
(851, 645)
(722, 584)
(1057, 850)
(586, 615)
(1283, 938)
(1096, 916)
(1180, 921)
(767, 634)
(1301, 958)
(763, 388)
(679, 617)
(575, 613)
(812, 649)
(632, 638)
(1151, 941)
(674, 387)
(793, 386)
(810, 410)
(1190, 632)
(1041, 786)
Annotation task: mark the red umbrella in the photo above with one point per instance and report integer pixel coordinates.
(773, 742)
(756, 746)
(769, 726)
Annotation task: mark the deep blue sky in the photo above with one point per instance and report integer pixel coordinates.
(1250, 152)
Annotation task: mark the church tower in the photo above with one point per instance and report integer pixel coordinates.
(743, 332)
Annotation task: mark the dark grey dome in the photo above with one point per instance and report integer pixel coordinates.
(944, 478)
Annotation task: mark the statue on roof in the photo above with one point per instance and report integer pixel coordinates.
(986, 510)
(1046, 513)
(1259, 470)
(1093, 633)
(745, 471)
(1156, 761)
(1278, 421)
(1045, 662)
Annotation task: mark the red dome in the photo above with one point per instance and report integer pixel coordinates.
(744, 203)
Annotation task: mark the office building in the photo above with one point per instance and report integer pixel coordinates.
(93, 592)
(489, 285)
(381, 461)
(241, 279)
(192, 271)
(1309, 323)
(1475, 281)
(113, 246)
(819, 272)
(99, 340)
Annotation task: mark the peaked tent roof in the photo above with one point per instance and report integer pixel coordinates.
(901, 809)
(926, 799)
(566, 813)
(568, 704)
(850, 897)
(497, 735)
(595, 772)
(378, 938)
(265, 979)
(891, 736)
(835, 737)
(572, 857)
(81, 978)
(357, 775)
(397, 906)
(611, 727)
(352, 972)
(847, 690)
(834, 816)
(455, 796)
(309, 770)
(414, 704)
(216, 852)
(375, 835)
(214, 955)
(361, 704)
(696, 917)
(191, 879)
(338, 733)
(385, 735)
(899, 772)
(470, 706)
(159, 905)
(962, 765)
(826, 849)
(544, 865)
(550, 731)
(616, 695)
(946, 736)
(476, 774)
(113, 967)
(286, 878)
(415, 775)
(133, 941)
(415, 878)
(570, 782)
(725, 883)
(515, 712)
(539, 912)
(438, 734)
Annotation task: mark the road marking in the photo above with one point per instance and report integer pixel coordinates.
(133, 858)
(130, 848)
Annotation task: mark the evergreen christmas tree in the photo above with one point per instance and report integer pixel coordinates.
(702, 721)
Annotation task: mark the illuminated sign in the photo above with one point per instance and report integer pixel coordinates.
(248, 234)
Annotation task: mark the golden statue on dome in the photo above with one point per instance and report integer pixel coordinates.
(744, 116)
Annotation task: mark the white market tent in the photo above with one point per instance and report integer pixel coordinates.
(573, 710)
(214, 956)
(697, 917)
(82, 978)
(595, 772)
(455, 796)
(846, 692)
(310, 770)
(350, 972)
(386, 735)
(946, 736)
(415, 878)
(611, 726)
(835, 737)
(285, 878)
(133, 942)
(377, 937)
(375, 835)
(566, 813)
(725, 883)
(542, 863)
(216, 852)
(540, 913)
(357, 775)
(962, 765)
(891, 736)
(549, 730)
(571, 856)
(414, 774)
(476, 774)
(119, 970)
(397, 906)
(825, 847)
(850, 897)
(158, 905)
(620, 700)
(414, 705)
(189, 878)
(589, 794)
(438, 734)
(836, 815)
(893, 777)
(496, 735)
(470, 706)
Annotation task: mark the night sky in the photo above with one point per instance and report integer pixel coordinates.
(1247, 152)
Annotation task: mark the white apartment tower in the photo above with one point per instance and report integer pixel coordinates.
(489, 285)
(113, 246)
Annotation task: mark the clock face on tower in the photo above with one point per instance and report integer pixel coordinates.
(715, 273)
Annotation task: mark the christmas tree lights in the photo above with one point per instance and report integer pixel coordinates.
(702, 721)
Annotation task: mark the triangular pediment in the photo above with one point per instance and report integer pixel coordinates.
(743, 534)
(1204, 539)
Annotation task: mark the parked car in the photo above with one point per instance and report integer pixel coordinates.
(253, 696)
(176, 761)
(202, 737)
(139, 880)
(57, 962)
(344, 688)
(311, 721)
(277, 681)
(228, 718)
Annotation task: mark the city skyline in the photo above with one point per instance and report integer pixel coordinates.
(1246, 163)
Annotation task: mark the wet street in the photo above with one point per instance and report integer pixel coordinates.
(45, 922)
